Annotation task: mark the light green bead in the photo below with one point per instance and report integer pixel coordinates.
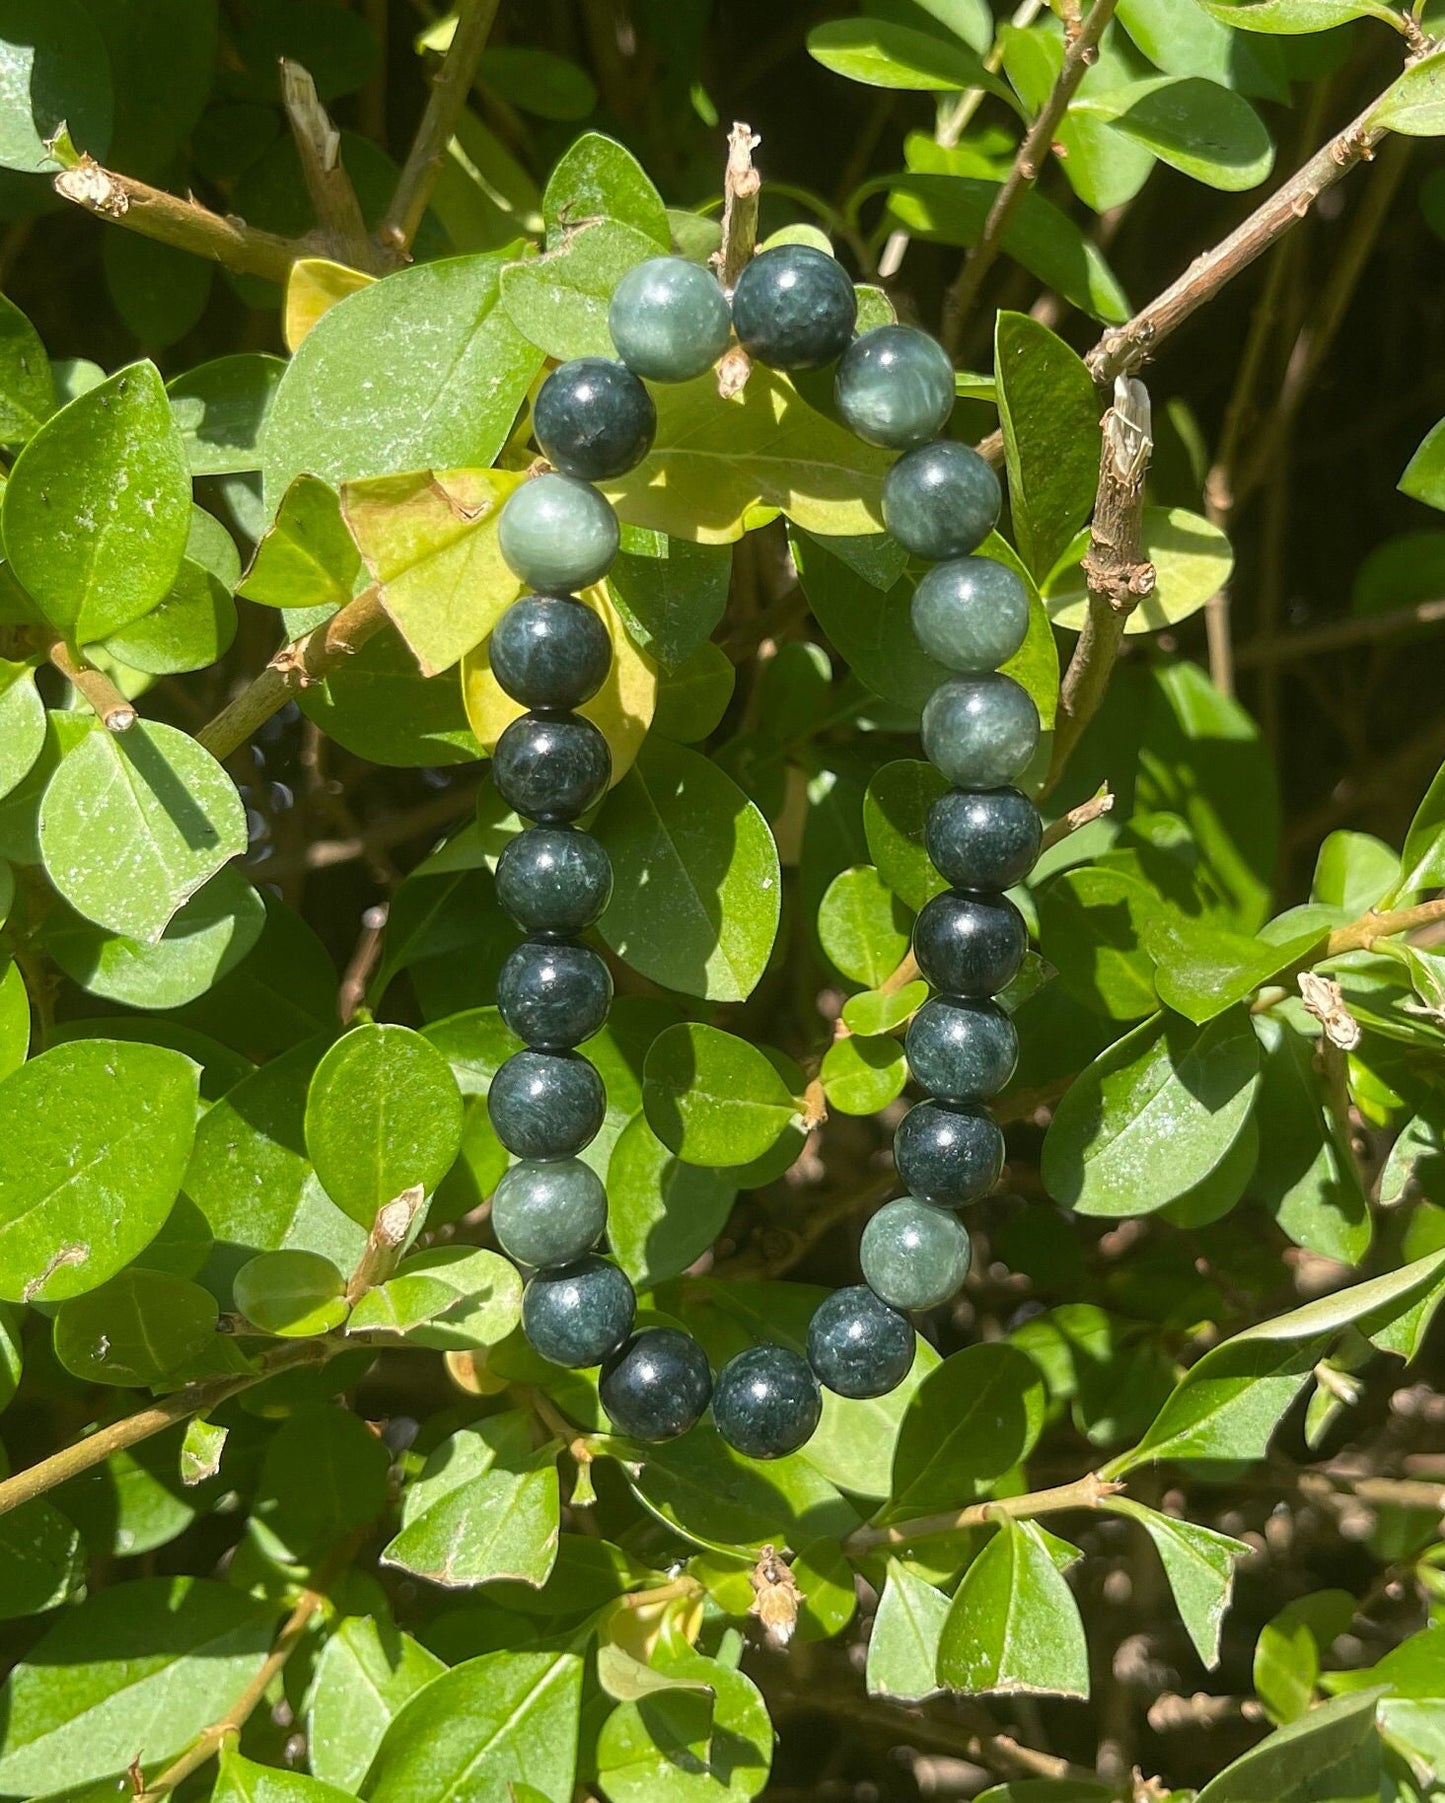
(558, 534)
(669, 319)
(913, 1254)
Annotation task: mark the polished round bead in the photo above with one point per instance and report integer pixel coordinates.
(557, 534)
(857, 1345)
(766, 1402)
(550, 651)
(983, 838)
(971, 943)
(546, 1104)
(972, 614)
(657, 1386)
(594, 419)
(980, 731)
(794, 307)
(578, 1315)
(553, 993)
(549, 1214)
(551, 767)
(913, 1255)
(669, 319)
(894, 387)
(554, 879)
(948, 1153)
(941, 500)
(962, 1049)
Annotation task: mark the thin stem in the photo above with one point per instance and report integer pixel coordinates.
(1088, 1492)
(1340, 635)
(742, 193)
(1028, 163)
(115, 713)
(318, 145)
(1360, 935)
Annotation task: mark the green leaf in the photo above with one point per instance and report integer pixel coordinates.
(1290, 1647)
(27, 388)
(1014, 1625)
(671, 593)
(876, 1011)
(449, 1297)
(1205, 131)
(950, 209)
(221, 409)
(696, 892)
(54, 74)
(559, 301)
(862, 1076)
(294, 1294)
(163, 1655)
(1094, 929)
(538, 81)
(306, 557)
(717, 463)
(692, 699)
(1192, 560)
(190, 628)
(1152, 1116)
(1203, 969)
(98, 507)
(134, 1329)
(22, 723)
(91, 1183)
(366, 1671)
(628, 1680)
(1422, 863)
(1414, 103)
(488, 1725)
(324, 1473)
(201, 1450)
(132, 824)
(383, 1115)
(243, 1781)
(1050, 419)
(881, 54)
(1352, 872)
(662, 1214)
(423, 370)
(713, 1098)
(970, 1421)
(862, 926)
(685, 1746)
(903, 1647)
(895, 811)
(14, 1017)
(1288, 1766)
(596, 178)
(1199, 1564)
(380, 706)
(1306, 1173)
(42, 1562)
(1288, 18)
(1181, 38)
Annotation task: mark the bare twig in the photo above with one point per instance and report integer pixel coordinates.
(1083, 49)
(1360, 935)
(318, 144)
(1340, 635)
(1084, 815)
(362, 963)
(1115, 569)
(742, 188)
(385, 1243)
(115, 713)
(428, 152)
(1088, 1492)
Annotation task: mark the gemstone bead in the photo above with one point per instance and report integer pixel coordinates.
(578, 1315)
(857, 1345)
(594, 419)
(550, 651)
(971, 613)
(941, 500)
(557, 534)
(914, 1256)
(948, 1153)
(546, 1104)
(981, 732)
(657, 1386)
(553, 993)
(554, 879)
(549, 1214)
(551, 767)
(962, 1049)
(983, 839)
(971, 943)
(669, 319)
(794, 307)
(766, 1402)
(894, 387)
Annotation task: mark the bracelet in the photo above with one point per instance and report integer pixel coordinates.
(793, 308)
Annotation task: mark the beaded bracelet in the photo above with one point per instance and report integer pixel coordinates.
(793, 308)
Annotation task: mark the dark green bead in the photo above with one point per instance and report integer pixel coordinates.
(972, 614)
(914, 1256)
(894, 387)
(578, 1315)
(550, 651)
(594, 419)
(983, 839)
(551, 767)
(941, 500)
(657, 1386)
(971, 943)
(553, 993)
(765, 1402)
(981, 732)
(962, 1049)
(794, 307)
(857, 1345)
(549, 1214)
(557, 534)
(948, 1153)
(669, 319)
(554, 879)
(546, 1104)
